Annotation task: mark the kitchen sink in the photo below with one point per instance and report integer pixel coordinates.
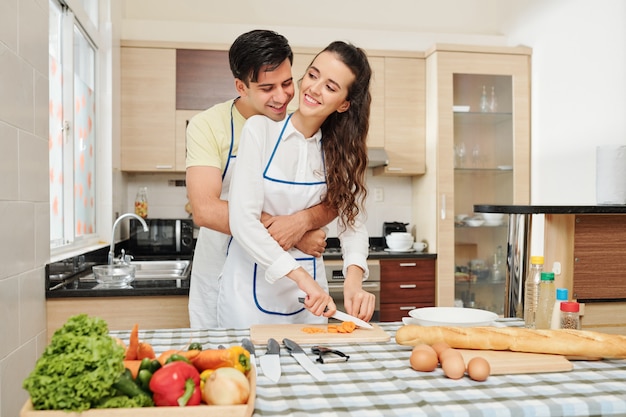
(150, 270)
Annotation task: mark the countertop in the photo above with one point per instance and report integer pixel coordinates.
(377, 380)
(559, 209)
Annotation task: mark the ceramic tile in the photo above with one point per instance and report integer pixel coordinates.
(33, 175)
(33, 34)
(8, 23)
(17, 251)
(16, 84)
(15, 368)
(32, 311)
(8, 162)
(41, 106)
(42, 233)
(9, 307)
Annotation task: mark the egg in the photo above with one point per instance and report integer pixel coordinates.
(450, 352)
(453, 364)
(478, 369)
(423, 358)
(440, 347)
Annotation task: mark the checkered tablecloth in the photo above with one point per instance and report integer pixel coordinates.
(378, 381)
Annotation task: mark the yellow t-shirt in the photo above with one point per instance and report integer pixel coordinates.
(209, 136)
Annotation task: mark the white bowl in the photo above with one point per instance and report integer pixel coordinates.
(492, 217)
(420, 246)
(474, 222)
(453, 316)
(401, 242)
(399, 236)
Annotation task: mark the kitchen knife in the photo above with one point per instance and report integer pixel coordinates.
(340, 315)
(296, 351)
(247, 345)
(270, 362)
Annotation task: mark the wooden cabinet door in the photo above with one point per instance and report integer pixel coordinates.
(203, 79)
(376, 135)
(405, 284)
(148, 85)
(404, 116)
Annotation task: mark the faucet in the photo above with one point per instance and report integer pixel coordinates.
(112, 248)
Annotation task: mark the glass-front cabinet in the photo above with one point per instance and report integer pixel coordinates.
(478, 132)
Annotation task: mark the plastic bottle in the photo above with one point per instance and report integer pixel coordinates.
(545, 304)
(531, 294)
(561, 295)
(141, 202)
(570, 316)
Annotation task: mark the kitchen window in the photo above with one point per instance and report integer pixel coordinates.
(72, 123)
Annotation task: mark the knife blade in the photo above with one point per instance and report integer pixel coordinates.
(296, 351)
(340, 315)
(247, 345)
(270, 362)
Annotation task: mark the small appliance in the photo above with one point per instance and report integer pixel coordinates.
(390, 227)
(165, 237)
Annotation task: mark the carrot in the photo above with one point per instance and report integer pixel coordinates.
(312, 330)
(133, 343)
(132, 366)
(189, 354)
(145, 350)
(348, 326)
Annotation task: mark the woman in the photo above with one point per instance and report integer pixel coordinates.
(317, 155)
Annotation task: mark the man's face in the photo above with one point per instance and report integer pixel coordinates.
(272, 92)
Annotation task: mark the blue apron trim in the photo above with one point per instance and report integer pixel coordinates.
(232, 139)
(256, 300)
(265, 176)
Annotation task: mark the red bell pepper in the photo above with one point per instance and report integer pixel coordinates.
(176, 383)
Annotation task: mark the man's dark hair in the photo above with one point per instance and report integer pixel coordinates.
(256, 50)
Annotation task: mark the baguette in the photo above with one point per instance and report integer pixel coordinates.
(566, 342)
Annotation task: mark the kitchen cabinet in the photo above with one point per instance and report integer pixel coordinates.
(477, 156)
(405, 284)
(121, 313)
(404, 114)
(148, 91)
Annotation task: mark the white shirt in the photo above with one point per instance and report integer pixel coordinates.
(296, 159)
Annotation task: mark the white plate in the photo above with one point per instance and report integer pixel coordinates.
(399, 250)
(453, 316)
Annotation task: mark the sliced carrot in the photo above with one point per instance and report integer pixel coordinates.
(348, 326)
(133, 343)
(312, 330)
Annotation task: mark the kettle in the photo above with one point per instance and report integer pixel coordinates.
(390, 227)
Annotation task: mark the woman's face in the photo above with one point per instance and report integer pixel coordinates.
(325, 85)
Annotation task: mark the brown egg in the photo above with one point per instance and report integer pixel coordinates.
(478, 369)
(450, 352)
(440, 347)
(423, 358)
(453, 366)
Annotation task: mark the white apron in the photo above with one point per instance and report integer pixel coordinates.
(245, 297)
(209, 257)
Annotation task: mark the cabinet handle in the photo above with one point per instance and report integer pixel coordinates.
(408, 264)
(163, 167)
(408, 286)
(408, 308)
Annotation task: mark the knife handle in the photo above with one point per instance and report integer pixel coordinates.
(301, 300)
(292, 346)
(247, 345)
(273, 347)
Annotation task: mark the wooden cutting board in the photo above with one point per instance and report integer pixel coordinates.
(259, 333)
(507, 362)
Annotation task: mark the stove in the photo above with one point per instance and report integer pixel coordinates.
(376, 245)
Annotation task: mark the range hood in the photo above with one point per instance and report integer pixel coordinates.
(377, 157)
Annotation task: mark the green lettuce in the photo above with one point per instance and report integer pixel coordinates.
(78, 368)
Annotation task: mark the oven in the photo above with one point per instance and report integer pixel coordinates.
(334, 275)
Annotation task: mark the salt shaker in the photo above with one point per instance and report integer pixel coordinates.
(570, 316)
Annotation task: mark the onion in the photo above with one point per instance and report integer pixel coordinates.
(226, 386)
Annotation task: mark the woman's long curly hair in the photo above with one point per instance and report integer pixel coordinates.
(344, 139)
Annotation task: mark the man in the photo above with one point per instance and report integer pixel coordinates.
(260, 61)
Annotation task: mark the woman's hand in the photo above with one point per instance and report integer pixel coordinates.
(358, 302)
(317, 300)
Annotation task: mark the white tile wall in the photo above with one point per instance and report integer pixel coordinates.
(24, 200)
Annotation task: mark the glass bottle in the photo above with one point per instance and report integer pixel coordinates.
(141, 202)
(561, 295)
(493, 102)
(531, 294)
(545, 303)
(484, 103)
(570, 315)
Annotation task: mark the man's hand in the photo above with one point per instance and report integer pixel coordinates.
(313, 243)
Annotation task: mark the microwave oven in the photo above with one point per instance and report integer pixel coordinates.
(165, 237)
